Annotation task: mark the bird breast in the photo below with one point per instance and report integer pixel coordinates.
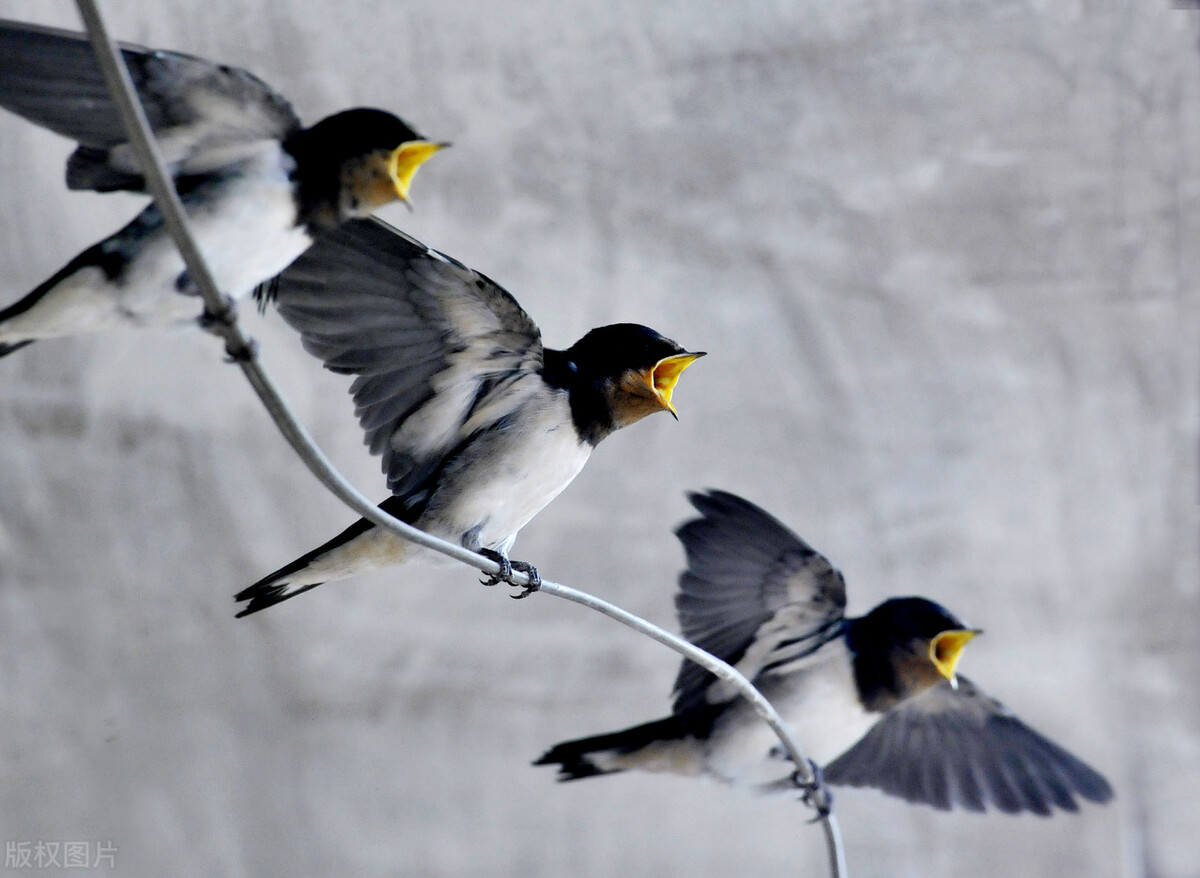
(509, 473)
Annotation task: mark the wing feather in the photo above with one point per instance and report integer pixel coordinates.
(205, 115)
(430, 340)
(753, 594)
(950, 747)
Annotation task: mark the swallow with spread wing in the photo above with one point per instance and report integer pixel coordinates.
(875, 700)
(257, 187)
(478, 424)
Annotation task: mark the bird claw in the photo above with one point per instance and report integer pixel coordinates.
(506, 571)
(535, 580)
(506, 568)
(814, 793)
(219, 323)
(216, 321)
(242, 353)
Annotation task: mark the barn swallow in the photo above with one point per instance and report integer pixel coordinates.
(258, 188)
(479, 426)
(876, 699)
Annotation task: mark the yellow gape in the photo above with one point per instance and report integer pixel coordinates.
(404, 161)
(663, 377)
(946, 649)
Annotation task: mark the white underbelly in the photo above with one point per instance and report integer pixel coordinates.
(244, 225)
(480, 505)
(247, 236)
(819, 705)
(512, 480)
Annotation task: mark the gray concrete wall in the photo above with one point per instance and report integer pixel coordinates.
(944, 257)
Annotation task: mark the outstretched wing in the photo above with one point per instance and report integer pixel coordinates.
(205, 115)
(430, 340)
(754, 594)
(948, 747)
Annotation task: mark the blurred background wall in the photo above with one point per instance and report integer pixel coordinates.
(943, 256)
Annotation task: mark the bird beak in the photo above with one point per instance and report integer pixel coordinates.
(404, 161)
(661, 379)
(946, 649)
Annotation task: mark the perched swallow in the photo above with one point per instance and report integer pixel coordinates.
(874, 699)
(257, 187)
(479, 425)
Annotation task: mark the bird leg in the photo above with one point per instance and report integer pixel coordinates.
(506, 571)
(814, 793)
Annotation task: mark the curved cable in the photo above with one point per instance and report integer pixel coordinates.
(221, 319)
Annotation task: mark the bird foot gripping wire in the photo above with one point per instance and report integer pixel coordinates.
(506, 571)
(814, 792)
(220, 320)
(535, 580)
(220, 323)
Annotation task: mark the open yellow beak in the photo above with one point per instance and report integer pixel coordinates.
(946, 649)
(661, 379)
(404, 161)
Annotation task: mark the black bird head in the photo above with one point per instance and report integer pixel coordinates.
(903, 647)
(619, 374)
(354, 162)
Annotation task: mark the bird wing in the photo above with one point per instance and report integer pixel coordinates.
(432, 342)
(754, 594)
(205, 115)
(948, 747)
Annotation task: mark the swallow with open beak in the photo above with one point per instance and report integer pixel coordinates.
(478, 424)
(875, 700)
(257, 187)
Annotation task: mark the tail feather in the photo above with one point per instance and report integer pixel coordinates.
(6, 349)
(277, 587)
(265, 593)
(602, 754)
(18, 308)
(297, 577)
(105, 256)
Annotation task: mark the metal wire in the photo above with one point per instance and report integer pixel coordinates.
(242, 350)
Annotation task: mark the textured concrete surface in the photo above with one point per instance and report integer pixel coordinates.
(943, 256)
